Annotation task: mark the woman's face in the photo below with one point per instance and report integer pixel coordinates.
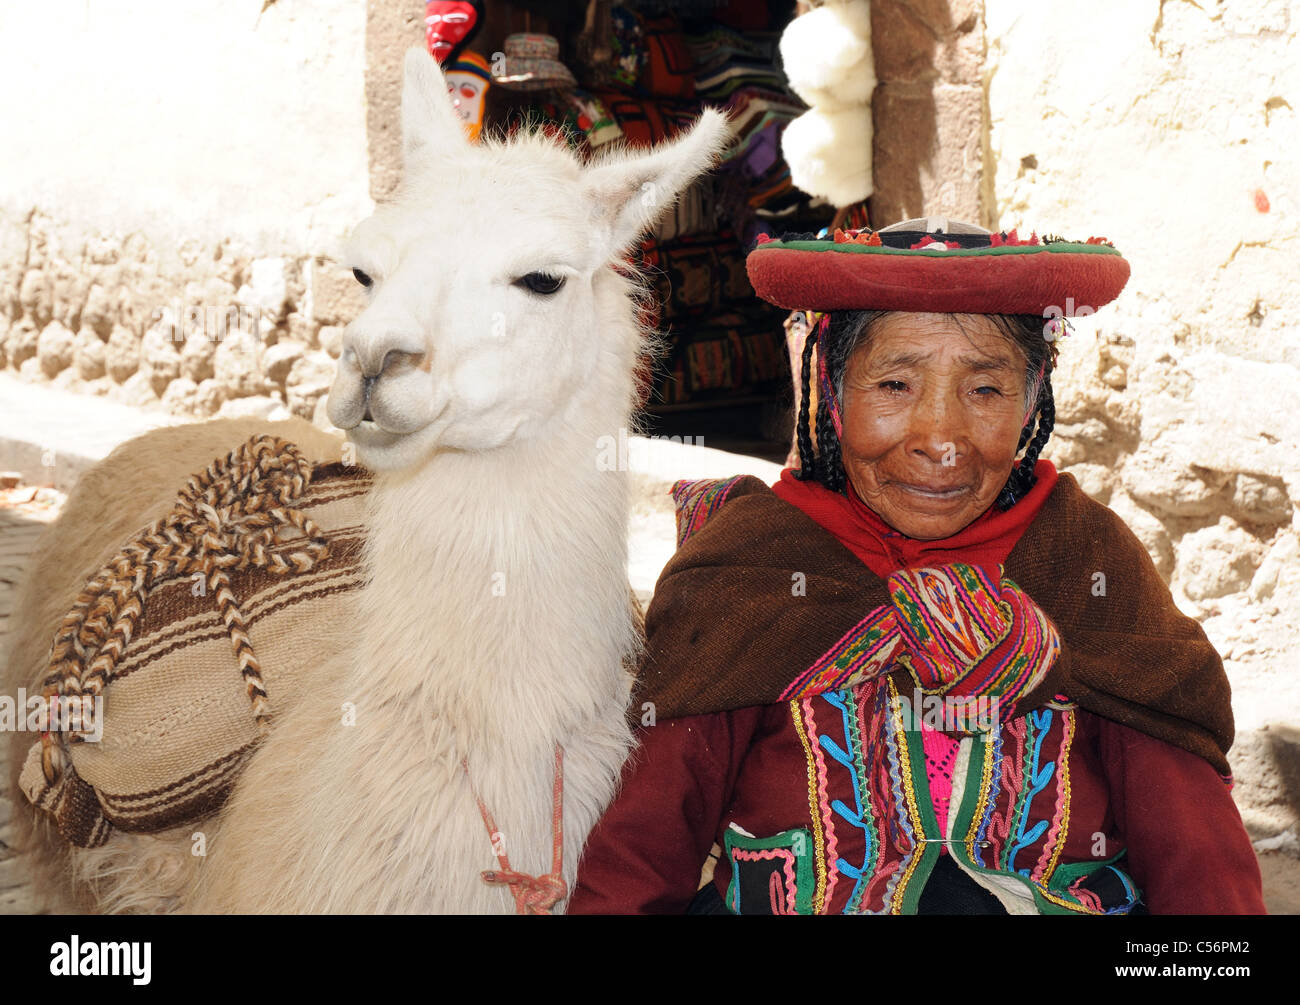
(932, 414)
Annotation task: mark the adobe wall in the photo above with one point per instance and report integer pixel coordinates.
(194, 165)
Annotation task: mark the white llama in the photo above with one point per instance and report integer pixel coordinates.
(498, 349)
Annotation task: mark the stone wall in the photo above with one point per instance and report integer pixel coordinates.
(928, 109)
(178, 183)
(221, 333)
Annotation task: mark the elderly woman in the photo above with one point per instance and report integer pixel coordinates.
(923, 673)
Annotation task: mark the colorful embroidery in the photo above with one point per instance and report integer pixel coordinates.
(1038, 777)
(871, 722)
(1054, 842)
(804, 727)
(968, 633)
(828, 825)
(697, 500)
(872, 810)
(865, 650)
(853, 816)
(769, 875)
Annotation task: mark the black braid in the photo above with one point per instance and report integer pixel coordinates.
(831, 471)
(807, 463)
(1022, 476)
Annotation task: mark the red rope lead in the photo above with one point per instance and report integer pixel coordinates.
(533, 894)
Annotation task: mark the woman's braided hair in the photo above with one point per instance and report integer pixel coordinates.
(847, 331)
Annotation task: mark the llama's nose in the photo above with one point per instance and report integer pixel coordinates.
(377, 355)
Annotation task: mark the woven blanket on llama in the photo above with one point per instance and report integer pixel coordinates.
(193, 637)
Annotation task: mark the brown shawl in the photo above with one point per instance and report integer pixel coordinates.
(724, 630)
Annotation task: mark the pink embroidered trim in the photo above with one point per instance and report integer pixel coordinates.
(766, 855)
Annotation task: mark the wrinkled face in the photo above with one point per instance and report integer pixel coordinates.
(932, 414)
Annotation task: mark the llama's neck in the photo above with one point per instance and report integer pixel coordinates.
(498, 596)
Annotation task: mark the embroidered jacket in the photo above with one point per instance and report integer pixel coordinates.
(843, 800)
(824, 805)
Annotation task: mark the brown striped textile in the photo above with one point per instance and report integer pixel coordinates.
(178, 722)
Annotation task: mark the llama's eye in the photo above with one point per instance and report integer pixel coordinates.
(363, 279)
(540, 282)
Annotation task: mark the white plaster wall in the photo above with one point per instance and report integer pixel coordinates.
(202, 119)
(1170, 127)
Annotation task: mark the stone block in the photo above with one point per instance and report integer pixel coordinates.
(1166, 486)
(88, 354)
(180, 396)
(1217, 560)
(122, 354)
(237, 365)
(265, 288)
(99, 311)
(23, 339)
(36, 297)
(160, 357)
(209, 396)
(54, 349)
(279, 359)
(927, 157)
(197, 355)
(331, 340)
(309, 380)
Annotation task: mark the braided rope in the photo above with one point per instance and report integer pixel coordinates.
(228, 517)
(533, 894)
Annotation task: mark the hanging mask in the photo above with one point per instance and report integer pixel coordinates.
(449, 25)
(467, 82)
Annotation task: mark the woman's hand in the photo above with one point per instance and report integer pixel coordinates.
(965, 635)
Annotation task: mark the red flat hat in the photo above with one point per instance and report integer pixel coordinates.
(932, 266)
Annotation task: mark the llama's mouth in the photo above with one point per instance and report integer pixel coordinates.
(368, 433)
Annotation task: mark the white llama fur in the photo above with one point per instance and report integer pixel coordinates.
(495, 619)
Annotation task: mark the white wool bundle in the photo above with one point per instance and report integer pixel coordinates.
(829, 153)
(853, 87)
(827, 51)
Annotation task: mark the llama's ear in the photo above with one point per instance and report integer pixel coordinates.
(431, 129)
(628, 193)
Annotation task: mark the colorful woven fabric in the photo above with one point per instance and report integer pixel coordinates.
(648, 121)
(865, 652)
(966, 635)
(668, 69)
(696, 501)
(881, 791)
(736, 352)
